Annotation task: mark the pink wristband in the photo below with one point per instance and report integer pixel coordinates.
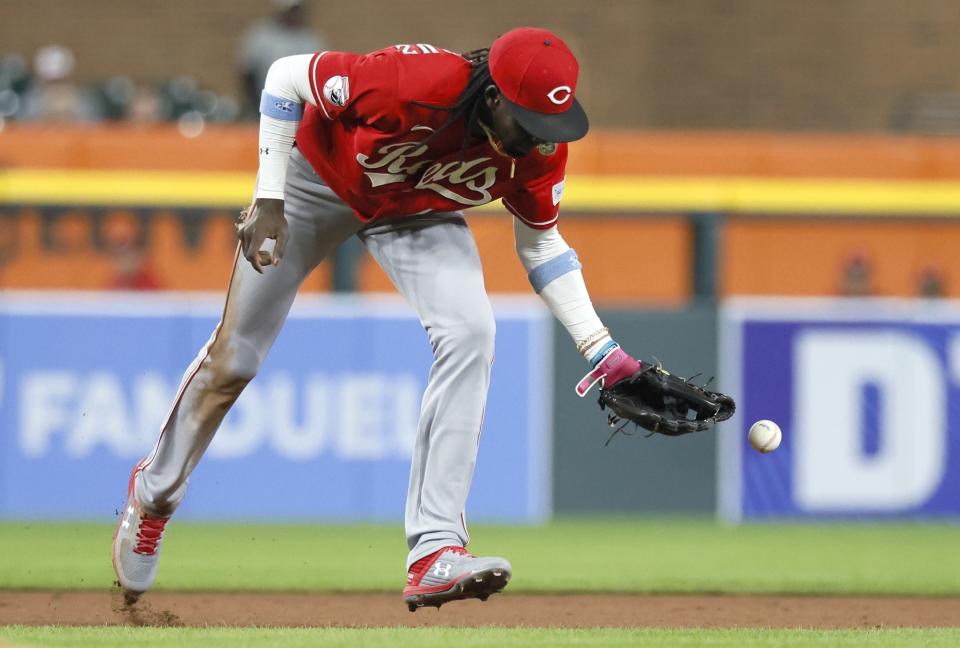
(615, 367)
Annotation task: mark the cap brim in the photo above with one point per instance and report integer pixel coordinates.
(556, 127)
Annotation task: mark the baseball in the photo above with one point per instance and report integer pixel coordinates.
(765, 436)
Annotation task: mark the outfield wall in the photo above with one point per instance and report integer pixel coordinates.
(634, 474)
(866, 394)
(700, 217)
(324, 433)
(864, 390)
(75, 202)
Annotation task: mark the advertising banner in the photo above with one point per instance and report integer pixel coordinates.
(323, 433)
(866, 393)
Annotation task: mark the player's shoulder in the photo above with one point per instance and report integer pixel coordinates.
(426, 73)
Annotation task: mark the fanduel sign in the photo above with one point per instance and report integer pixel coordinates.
(324, 432)
(350, 416)
(865, 392)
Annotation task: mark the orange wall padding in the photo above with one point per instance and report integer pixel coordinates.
(234, 148)
(766, 155)
(75, 264)
(625, 260)
(807, 257)
(162, 147)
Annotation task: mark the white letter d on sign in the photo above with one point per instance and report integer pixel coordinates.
(831, 470)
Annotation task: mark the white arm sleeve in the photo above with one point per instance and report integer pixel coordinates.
(566, 296)
(288, 78)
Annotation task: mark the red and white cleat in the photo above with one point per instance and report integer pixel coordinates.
(454, 574)
(136, 545)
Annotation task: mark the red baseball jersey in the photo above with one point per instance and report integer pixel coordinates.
(375, 138)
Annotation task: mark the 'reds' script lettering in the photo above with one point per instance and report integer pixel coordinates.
(394, 162)
(461, 173)
(464, 182)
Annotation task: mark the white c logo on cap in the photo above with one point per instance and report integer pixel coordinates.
(552, 95)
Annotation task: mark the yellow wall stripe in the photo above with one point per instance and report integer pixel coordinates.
(740, 195)
(127, 188)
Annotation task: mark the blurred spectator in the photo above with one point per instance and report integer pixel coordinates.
(49, 93)
(116, 96)
(856, 276)
(14, 74)
(52, 94)
(285, 33)
(182, 101)
(146, 106)
(14, 80)
(124, 244)
(131, 271)
(931, 282)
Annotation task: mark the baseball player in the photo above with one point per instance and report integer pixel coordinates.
(389, 147)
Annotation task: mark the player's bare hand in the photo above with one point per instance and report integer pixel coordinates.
(261, 221)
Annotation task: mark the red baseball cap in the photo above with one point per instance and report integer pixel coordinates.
(537, 75)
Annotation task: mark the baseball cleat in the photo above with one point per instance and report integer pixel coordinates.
(136, 546)
(454, 574)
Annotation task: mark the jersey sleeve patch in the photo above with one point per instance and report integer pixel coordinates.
(330, 83)
(558, 191)
(336, 90)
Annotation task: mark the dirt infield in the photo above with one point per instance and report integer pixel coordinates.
(511, 610)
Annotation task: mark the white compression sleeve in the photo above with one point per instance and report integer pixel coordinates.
(289, 80)
(566, 295)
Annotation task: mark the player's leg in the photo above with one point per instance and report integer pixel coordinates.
(255, 309)
(434, 263)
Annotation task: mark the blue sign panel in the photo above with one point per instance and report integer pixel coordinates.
(866, 393)
(324, 432)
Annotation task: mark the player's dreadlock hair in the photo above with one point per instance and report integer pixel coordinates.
(470, 101)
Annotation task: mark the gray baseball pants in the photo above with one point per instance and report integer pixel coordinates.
(433, 262)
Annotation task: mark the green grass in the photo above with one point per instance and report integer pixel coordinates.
(582, 556)
(124, 637)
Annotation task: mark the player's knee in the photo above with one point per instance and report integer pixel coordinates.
(471, 336)
(483, 330)
(234, 364)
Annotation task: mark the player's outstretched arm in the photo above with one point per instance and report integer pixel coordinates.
(285, 92)
(554, 272)
(630, 391)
